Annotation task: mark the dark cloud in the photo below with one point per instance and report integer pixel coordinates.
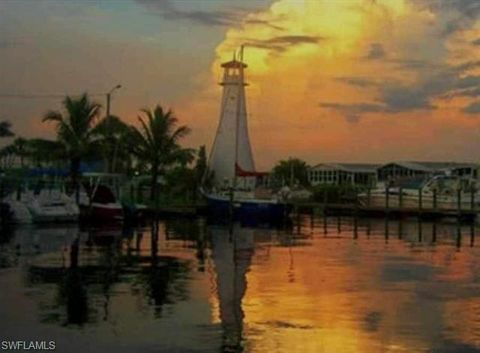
(357, 81)
(169, 11)
(399, 98)
(413, 64)
(282, 43)
(376, 52)
(461, 13)
(396, 97)
(264, 23)
(353, 112)
(469, 65)
(473, 108)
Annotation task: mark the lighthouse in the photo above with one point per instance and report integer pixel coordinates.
(231, 154)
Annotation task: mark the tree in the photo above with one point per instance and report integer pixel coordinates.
(156, 143)
(75, 129)
(201, 164)
(20, 146)
(5, 129)
(290, 172)
(41, 151)
(113, 134)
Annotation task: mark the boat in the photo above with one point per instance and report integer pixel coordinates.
(47, 205)
(234, 185)
(99, 203)
(16, 205)
(53, 205)
(441, 192)
(245, 204)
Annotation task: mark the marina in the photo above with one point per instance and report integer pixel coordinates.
(284, 176)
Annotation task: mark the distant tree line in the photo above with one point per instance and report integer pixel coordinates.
(82, 134)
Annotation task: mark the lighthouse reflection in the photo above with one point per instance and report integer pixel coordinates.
(232, 251)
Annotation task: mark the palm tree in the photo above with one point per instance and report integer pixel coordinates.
(291, 171)
(21, 149)
(112, 133)
(42, 151)
(156, 143)
(75, 129)
(5, 129)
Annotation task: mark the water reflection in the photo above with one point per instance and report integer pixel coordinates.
(232, 251)
(325, 284)
(93, 264)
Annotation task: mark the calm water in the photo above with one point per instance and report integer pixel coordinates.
(322, 285)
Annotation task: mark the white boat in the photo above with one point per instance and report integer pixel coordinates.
(53, 206)
(17, 207)
(439, 192)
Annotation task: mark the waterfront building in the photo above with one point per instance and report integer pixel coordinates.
(414, 170)
(343, 173)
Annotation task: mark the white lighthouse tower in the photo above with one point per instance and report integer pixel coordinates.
(231, 151)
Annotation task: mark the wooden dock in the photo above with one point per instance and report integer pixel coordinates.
(380, 211)
(178, 210)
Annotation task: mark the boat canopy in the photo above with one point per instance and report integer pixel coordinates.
(246, 173)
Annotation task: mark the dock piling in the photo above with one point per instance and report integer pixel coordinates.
(420, 200)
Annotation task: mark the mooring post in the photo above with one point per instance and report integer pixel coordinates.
(420, 230)
(459, 201)
(420, 199)
(472, 198)
(459, 233)
(400, 198)
(435, 199)
(387, 197)
(355, 227)
(387, 230)
(472, 234)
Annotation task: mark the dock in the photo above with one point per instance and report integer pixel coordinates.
(382, 211)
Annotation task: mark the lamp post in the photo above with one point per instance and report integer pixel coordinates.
(109, 95)
(110, 165)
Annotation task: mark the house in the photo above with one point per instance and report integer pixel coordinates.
(343, 173)
(410, 170)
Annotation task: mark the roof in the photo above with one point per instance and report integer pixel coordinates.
(431, 166)
(349, 167)
(234, 64)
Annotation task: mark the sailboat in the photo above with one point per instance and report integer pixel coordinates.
(233, 188)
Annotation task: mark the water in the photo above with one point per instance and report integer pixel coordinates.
(321, 285)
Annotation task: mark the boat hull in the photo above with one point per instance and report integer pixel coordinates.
(104, 212)
(247, 209)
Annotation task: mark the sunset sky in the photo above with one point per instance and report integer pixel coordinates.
(331, 80)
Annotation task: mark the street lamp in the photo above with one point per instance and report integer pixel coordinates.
(109, 95)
